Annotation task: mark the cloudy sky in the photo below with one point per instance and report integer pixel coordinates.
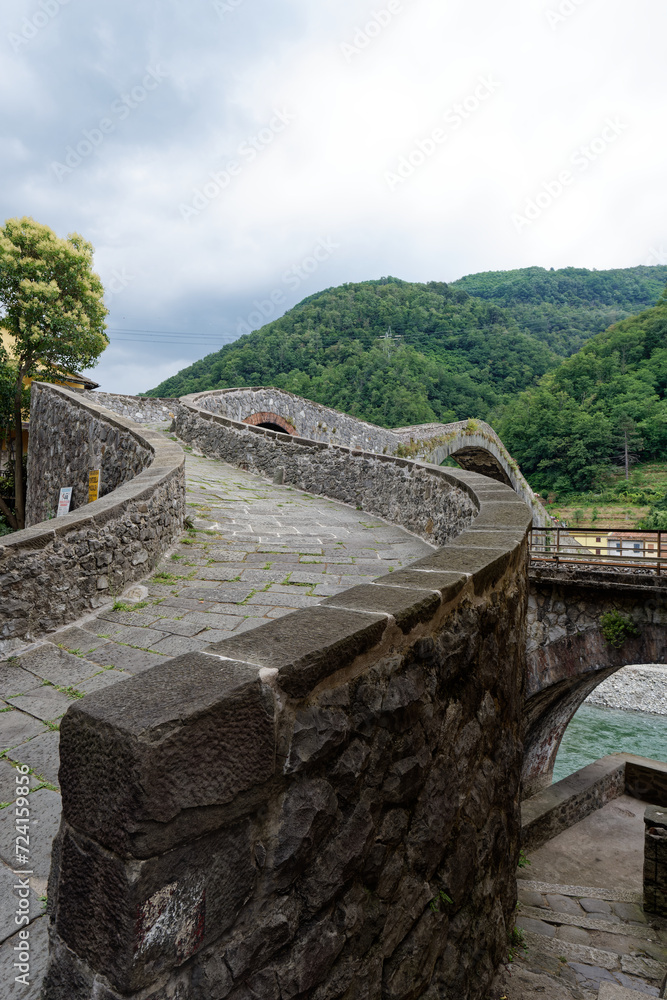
(228, 158)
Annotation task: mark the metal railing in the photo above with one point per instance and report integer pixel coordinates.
(639, 551)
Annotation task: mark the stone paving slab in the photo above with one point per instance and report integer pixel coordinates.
(124, 658)
(9, 990)
(45, 703)
(45, 811)
(591, 892)
(55, 665)
(9, 902)
(593, 934)
(636, 931)
(16, 728)
(14, 680)
(8, 776)
(41, 756)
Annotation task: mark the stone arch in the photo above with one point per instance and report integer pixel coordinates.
(475, 446)
(568, 656)
(271, 421)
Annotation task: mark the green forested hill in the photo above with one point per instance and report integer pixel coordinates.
(608, 399)
(458, 356)
(564, 308)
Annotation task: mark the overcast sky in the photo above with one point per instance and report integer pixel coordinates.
(227, 158)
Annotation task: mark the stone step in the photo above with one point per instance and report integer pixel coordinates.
(631, 965)
(610, 991)
(639, 932)
(583, 892)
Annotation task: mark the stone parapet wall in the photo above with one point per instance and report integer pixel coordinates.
(69, 439)
(141, 409)
(309, 420)
(286, 814)
(56, 570)
(434, 503)
(473, 444)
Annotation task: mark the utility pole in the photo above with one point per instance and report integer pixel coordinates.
(388, 342)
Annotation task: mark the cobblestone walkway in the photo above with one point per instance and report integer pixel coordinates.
(255, 551)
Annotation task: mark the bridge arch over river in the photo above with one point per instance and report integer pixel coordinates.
(568, 655)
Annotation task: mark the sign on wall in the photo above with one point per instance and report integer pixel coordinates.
(93, 485)
(64, 501)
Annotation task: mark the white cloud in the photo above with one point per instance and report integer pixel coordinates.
(324, 174)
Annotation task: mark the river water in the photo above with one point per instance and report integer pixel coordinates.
(595, 732)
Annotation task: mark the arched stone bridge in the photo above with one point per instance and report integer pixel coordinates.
(567, 656)
(473, 444)
(360, 757)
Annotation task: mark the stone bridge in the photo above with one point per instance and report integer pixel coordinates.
(473, 444)
(282, 811)
(568, 656)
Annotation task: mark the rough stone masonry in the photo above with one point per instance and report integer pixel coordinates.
(287, 813)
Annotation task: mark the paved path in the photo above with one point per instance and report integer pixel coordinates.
(255, 551)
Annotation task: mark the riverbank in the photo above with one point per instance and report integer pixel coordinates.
(636, 689)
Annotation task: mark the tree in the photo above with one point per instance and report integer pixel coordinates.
(51, 305)
(628, 442)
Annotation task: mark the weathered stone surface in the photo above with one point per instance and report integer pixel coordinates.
(158, 913)
(408, 607)
(44, 821)
(144, 742)
(16, 728)
(391, 783)
(306, 648)
(56, 570)
(41, 756)
(39, 954)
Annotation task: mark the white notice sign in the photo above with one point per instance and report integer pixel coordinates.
(65, 501)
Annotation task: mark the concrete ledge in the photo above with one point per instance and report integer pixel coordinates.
(566, 802)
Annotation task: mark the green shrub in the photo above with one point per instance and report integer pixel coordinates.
(616, 628)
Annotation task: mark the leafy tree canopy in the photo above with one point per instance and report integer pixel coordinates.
(565, 307)
(608, 398)
(51, 306)
(457, 356)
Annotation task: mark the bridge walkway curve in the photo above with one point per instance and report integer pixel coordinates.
(256, 551)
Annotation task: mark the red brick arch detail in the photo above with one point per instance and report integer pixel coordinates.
(265, 417)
